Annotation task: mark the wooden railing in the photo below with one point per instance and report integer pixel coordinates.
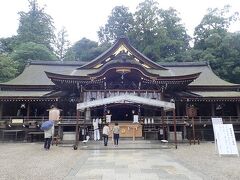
(156, 119)
(197, 120)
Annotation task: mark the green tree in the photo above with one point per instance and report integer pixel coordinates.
(61, 44)
(215, 44)
(146, 25)
(86, 50)
(159, 33)
(33, 51)
(155, 32)
(226, 61)
(36, 26)
(177, 40)
(119, 23)
(215, 21)
(7, 44)
(8, 68)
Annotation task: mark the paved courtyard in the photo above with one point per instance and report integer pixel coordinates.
(29, 161)
(129, 164)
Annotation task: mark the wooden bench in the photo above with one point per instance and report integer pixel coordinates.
(13, 132)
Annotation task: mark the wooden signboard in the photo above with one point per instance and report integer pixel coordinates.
(17, 121)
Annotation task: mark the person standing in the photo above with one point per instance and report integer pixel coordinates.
(96, 129)
(48, 135)
(106, 132)
(116, 130)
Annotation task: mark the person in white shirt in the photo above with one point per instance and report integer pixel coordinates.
(116, 130)
(106, 131)
(96, 129)
(48, 135)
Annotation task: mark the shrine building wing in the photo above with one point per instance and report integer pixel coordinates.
(121, 61)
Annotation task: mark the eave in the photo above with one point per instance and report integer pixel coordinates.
(186, 79)
(210, 99)
(27, 99)
(26, 87)
(215, 87)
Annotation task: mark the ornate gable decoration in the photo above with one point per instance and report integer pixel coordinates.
(120, 49)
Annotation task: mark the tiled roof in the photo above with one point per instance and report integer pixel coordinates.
(34, 73)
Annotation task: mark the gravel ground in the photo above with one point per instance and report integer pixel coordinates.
(29, 161)
(204, 159)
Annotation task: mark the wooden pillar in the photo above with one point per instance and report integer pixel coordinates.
(175, 128)
(184, 132)
(134, 132)
(81, 94)
(238, 109)
(104, 113)
(28, 110)
(193, 130)
(77, 130)
(139, 88)
(177, 108)
(1, 109)
(78, 115)
(212, 109)
(186, 107)
(163, 114)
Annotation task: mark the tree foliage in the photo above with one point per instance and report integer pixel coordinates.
(61, 44)
(216, 21)
(157, 33)
(119, 23)
(31, 51)
(7, 44)
(36, 26)
(8, 68)
(85, 50)
(215, 44)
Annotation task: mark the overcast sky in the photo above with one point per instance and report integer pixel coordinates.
(82, 18)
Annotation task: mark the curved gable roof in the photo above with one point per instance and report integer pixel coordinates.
(121, 44)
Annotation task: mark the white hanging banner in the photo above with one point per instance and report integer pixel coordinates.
(108, 118)
(225, 138)
(135, 118)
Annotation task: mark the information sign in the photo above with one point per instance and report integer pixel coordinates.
(225, 138)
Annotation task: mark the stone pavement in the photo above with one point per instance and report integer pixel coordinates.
(138, 160)
(129, 165)
(125, 144)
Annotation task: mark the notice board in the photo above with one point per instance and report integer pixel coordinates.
(225, 138)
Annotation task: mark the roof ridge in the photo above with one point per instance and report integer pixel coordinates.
(48, 62)
(182, 64)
